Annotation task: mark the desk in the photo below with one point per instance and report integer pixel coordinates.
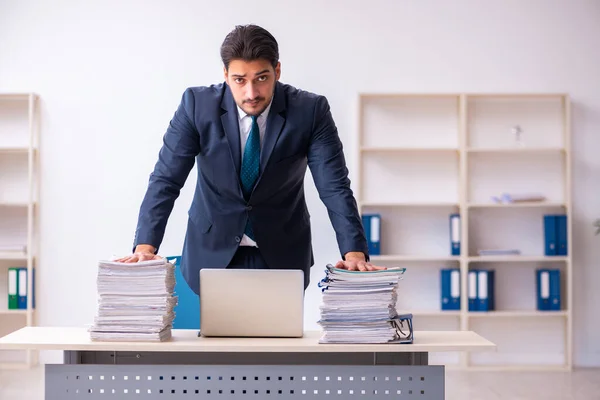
(241, 368)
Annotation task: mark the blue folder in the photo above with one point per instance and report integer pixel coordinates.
(485, 291)
(450, 288)
(555, 235)
(372, 226)
(455, 234)
(561, 235)
(548, 289)
(472, 289)
(22, 290)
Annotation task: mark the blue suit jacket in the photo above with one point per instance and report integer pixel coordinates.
(300, 132)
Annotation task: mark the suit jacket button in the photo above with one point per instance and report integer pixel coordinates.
(248, 207)
(237, 239)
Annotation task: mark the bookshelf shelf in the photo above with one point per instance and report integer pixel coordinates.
(16, 96)
(517, 150)
(13, 256)
(516, 205)
(422, 157)
(413, 204)
(17, 204)
(19, 187)
(16, 150)
(408, 149)
(400, 258)
(432, 313)
(518, 314)
(520, 367)
(517, 259)
(14, 312)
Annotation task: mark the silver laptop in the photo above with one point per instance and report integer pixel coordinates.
(251, 302)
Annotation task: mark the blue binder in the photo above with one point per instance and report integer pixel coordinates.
(450, 288)
(549, 235)
(455, 234)
(472, 289)
(372, 225)
(485, 290)
(555, 290)
(561, 235)
(22, 291)
(555, 235)
(542, 282)
(548, 289)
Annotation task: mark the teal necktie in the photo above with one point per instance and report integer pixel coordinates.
(250, 166)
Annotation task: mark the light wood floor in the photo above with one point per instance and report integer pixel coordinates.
(581, 384)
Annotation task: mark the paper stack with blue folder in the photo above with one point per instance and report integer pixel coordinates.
(136, 301)
(360, 307)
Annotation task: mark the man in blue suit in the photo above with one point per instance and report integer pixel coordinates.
(253, 138)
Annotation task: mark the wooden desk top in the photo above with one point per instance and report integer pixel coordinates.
(78, 338)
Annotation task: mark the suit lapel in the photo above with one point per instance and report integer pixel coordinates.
(229, 119)
(275, 122)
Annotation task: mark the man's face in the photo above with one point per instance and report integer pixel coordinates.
(252, 84)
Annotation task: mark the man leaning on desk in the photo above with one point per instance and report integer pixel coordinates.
(252, 137)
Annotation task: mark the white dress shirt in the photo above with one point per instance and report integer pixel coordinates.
(245, 123)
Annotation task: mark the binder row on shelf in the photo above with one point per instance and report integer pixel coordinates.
(555, 236)
(481, 293)
(481, 289)
(18, 288)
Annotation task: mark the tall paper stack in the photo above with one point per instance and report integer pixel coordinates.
(360, 307)
(136, 301)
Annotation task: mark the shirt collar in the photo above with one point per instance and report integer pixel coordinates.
(242, 114)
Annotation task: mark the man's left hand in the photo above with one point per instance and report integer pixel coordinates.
(356, 261)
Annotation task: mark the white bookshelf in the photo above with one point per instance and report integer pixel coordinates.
(422, 157)
(19, 190)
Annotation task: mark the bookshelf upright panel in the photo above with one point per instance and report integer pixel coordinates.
(19, 184)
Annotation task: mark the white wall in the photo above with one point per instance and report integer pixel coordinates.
(110, 75)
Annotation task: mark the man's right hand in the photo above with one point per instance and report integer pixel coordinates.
(143, 252)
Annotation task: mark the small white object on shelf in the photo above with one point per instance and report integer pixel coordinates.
(499, 252)
(517, 132)
(510, 198)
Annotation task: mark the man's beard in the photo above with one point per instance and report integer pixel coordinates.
(260, 110)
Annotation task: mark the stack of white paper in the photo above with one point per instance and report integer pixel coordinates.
(136, 301)
(360, 307)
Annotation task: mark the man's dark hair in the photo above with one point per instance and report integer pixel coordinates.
(249, 43)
